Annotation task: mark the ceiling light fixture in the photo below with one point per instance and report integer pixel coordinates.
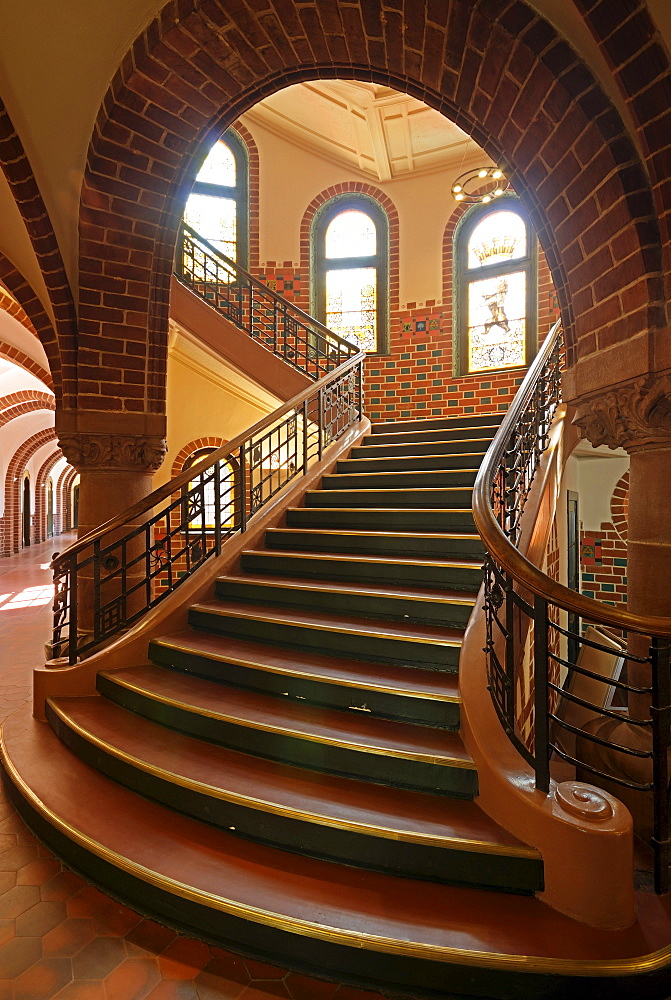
(479, 186)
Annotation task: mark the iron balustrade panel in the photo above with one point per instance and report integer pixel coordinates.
(270, 319)
(556, 707)
(105, 585)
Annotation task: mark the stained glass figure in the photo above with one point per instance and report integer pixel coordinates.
(497, 321)
(500, 237)
(351, 304)
(350, 234)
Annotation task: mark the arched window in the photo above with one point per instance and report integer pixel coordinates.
(350, 249)
(200, 507)
(496, 288)
(217, 207)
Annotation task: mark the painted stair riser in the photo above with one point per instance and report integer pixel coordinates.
(362, 646)
(411, 463)
(381, 704)
(405, 449)
(400, 545)
(383, 768)
(445, 612)
(400, 480)
(440, 434)
(451, 577)
(438, 423)
(477, 869)
(413, 498)
(382, 519)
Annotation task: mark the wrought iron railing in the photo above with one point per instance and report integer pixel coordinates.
(559, 691)
(267, 317)
(111, 577)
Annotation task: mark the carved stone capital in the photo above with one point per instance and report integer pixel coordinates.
(130, 453)
(634, 416)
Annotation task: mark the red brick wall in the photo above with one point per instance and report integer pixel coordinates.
(603, 553)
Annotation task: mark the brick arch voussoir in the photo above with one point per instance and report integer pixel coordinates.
(18, 357)
(26, 395)
(9, 305)
(41, 480)
(188, 450)
(32, 308)
(21, 179)
(28, 406)
(17, 463)
(192, 73)
(355, 187)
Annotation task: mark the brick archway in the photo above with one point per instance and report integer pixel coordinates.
(11, 412)
(13, 484)
(41, 483)
(11, 353)
(192, 73)
(64, 487)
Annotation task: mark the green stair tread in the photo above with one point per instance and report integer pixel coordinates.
(390, 561)
(271, 786)
(366, 589)
(308, 897)
(352, 730)
(409, 681)
(410, 631)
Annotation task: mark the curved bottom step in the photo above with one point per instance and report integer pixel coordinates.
(334, 921)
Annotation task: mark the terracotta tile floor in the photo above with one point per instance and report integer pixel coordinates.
(62, 938)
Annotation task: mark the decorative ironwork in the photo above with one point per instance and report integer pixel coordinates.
(110, 578)
(250, 305)
(538, 689)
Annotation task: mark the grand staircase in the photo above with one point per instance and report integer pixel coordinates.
(287, 778)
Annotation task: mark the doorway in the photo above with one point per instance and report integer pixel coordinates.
(26, 510)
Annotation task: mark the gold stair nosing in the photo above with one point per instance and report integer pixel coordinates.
(362, 532)
(344, 629)
(349, 557)
(340, 587)
(321, 678)
(344, 744)
(410, 949)
(264, 805)
(401, 472)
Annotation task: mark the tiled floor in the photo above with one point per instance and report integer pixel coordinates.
(61, 938)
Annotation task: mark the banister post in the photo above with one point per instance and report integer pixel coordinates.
(661, 741)
(541, 729)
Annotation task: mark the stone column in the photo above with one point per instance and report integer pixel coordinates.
(116, 456)
(637, 417)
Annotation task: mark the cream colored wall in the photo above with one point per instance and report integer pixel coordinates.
(206, 398)
(291, 176)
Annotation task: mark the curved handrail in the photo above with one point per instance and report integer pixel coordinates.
(509, 557)
(161, 493)
(552, 698)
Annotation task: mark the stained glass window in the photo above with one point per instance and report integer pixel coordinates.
(496, 278)
(350, 240)
(217, 206)
(201, 502)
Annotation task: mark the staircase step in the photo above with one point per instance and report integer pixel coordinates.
(457, 574)
(436, 423)
(374, 447)
(408, 833)
(399, 479)
(401, 463)
(452, 434)
(437, 607)
(351, 744)
(408, 519)
(406, 935)
(382, 689)
(406, 644)
(423, 496)
(387, 543)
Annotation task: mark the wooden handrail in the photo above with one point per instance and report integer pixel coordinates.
(510, 558)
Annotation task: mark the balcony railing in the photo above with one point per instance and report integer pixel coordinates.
(267, 317)
(113, 576)
(536, 661)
